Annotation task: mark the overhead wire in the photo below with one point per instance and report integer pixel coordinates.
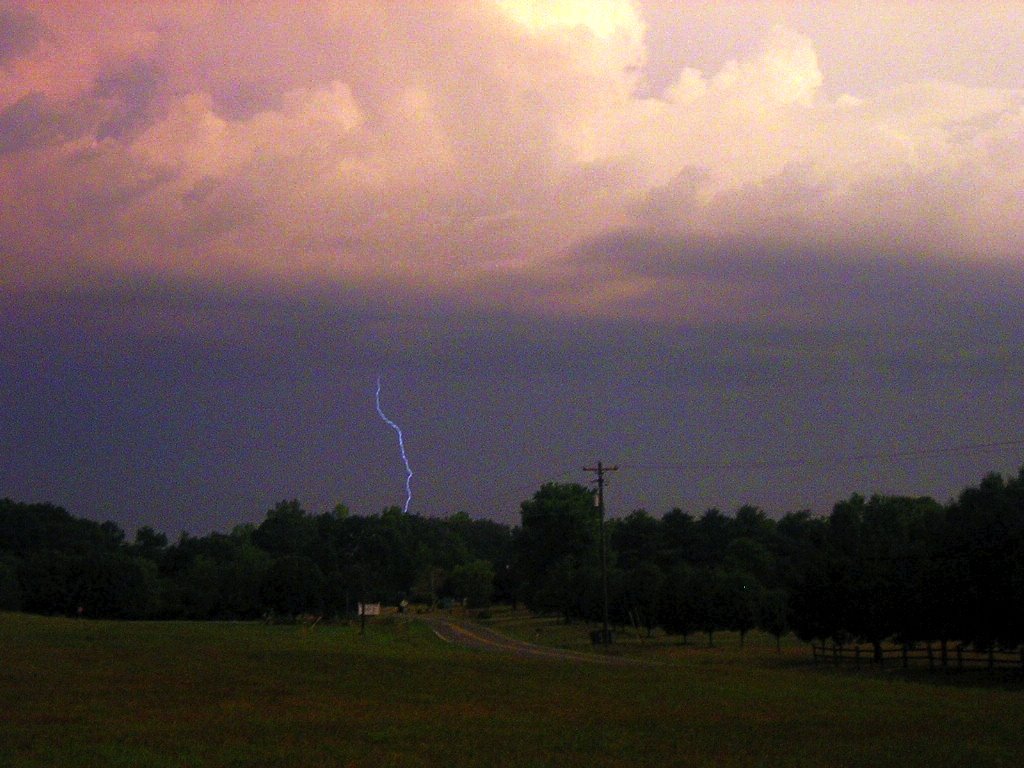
(793, 462)
(824, 461)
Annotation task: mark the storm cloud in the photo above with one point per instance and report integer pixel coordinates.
(703, 236)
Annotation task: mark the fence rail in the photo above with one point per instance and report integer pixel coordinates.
(930, 655)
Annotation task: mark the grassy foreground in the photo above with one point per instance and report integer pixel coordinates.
(84, 693)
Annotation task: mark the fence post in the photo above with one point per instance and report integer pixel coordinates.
(931, 659)
(904, 654)
(856, 657)
(959, 656)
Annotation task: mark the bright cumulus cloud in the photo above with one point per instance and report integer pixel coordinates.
(470, 150)
(603, 18)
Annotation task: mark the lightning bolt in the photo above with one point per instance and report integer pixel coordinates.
(401, 447)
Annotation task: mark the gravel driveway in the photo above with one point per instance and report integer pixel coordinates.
(482, 638)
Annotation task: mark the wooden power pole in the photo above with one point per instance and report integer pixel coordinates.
(600, 469)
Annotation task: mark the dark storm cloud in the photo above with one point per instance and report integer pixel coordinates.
(129, 91)
(27, 123)
(184, 406)
(20, 32)
(840, 291)
(118, 106)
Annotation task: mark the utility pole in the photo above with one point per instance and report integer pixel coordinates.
(600, 469)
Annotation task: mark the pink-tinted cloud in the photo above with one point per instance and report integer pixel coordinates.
(472, 150)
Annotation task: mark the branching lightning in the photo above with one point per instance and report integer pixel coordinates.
(401, 447)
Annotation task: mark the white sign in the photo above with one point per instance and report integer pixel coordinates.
(369, 609)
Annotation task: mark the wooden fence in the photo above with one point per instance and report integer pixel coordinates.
(932, 656)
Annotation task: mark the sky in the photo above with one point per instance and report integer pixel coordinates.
(749, 252)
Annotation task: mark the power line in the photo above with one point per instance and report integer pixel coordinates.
(841, 459)
(523, 490)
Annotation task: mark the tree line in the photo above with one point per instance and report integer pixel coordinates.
(292, 563)
(881, 568)
(905, 569)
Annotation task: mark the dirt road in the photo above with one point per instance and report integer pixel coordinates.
(482, 638)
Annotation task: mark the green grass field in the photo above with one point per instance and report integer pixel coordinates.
(84, 693)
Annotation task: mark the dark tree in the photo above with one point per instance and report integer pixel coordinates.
(287, 530)
(710, 602)
(115, 586)
(739, 598)
(713, 533)
(293, 585)
(774, 615)
(558, 590)
(986, 544)
(10, 587)
(635, 539)
(149, 544)
(677, 605)
(752, 523)
(472, 582)
(644, 585)
(559, 536)
(678, 539)
(750, 556)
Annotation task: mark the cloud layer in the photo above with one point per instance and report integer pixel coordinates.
(563, 230)
(456, 149)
